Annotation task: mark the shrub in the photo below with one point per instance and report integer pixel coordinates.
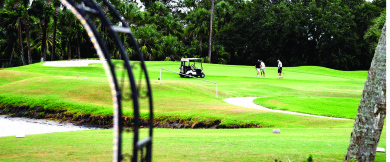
(310, 158)
(205, 59)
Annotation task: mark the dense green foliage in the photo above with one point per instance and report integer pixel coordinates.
(324, 33)
(292, 144)
(336, 34)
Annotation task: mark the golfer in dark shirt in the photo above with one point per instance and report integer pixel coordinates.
(257, 66)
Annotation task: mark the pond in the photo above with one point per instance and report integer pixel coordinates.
(15, 126)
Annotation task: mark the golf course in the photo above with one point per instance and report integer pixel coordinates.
(245, 134)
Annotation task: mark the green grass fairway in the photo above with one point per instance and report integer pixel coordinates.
(324, 91)
(294, 144)
(312, 90)
(309, 89)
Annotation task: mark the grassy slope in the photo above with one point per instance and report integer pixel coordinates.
(313, 90)
(295, 144)
(58, 87)
(176, 97)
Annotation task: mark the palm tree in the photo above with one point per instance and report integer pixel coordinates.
(78, 28)
(170, 25)
(149, 36)
(211, 28)
(7, 36)
(170, 46)
(20, 41)
(131, 15)
(26, 23)
(56, 5)
(198, 25)
(68, 27)
(27, 29)
(47, 10)
(42, 9)
(15, 9)
(50, 41)
(19, 10)
(130, 12)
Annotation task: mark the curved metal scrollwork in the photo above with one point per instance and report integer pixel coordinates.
(138, 88)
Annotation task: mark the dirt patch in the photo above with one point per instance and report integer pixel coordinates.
(238, 111)
(107, 121)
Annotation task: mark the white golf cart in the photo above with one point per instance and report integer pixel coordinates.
(188, 68)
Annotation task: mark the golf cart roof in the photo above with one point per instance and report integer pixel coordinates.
(190, 59)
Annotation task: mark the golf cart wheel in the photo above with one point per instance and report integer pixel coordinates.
(182, 76)
(202, 76)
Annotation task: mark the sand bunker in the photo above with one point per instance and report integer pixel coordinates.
(72, 63)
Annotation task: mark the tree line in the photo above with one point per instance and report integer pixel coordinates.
(338, 34)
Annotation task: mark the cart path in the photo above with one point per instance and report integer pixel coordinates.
(248, 102)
